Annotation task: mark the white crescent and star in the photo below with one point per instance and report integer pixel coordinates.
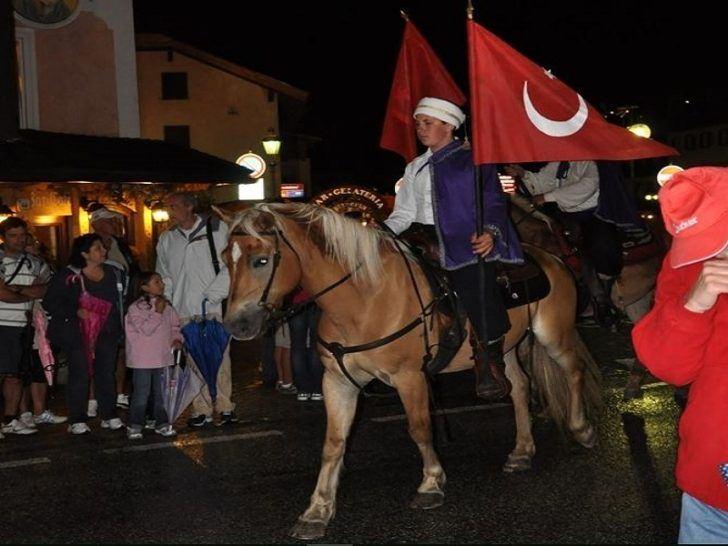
(551, 127)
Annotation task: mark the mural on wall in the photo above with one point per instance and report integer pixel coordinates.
(45, 12)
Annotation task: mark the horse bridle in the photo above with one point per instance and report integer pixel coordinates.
(277, 316)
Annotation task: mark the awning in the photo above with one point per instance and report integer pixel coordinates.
(40, 156)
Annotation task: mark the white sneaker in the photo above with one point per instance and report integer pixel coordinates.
(93, 408)
(122, 401)
(134, 433)
(78, 428)
(27, 419)
(49, 418)
(317, 397)
(166, 431)
(113, 424)
(18, 427)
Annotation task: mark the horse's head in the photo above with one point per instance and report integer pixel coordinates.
(263, 268)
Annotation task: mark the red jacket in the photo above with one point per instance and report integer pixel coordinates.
(683, 347)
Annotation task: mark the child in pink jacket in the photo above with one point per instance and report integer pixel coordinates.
(152, 332)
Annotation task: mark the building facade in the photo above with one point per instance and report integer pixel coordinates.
(192, 98)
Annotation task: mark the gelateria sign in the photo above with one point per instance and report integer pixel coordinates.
(351, 199)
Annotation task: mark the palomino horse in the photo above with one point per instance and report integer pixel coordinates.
(633, 291)
(274, 248)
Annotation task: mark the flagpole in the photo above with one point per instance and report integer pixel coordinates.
(404, 15)
(479, 228)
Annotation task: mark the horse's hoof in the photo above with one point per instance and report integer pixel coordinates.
(308, 530)
(428, 501)
(586, 436)
(517, 463)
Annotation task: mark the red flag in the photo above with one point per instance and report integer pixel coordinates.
(419, 74)
(522, 113)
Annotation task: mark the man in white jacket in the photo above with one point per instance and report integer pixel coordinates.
(574, 187)
(188, 268)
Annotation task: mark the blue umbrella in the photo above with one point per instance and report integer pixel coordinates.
(205, 341)
(180, 385)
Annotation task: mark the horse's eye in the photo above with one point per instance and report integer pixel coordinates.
(260, 262)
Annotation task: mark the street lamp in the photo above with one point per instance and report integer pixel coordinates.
(640, 129)
(272, 147)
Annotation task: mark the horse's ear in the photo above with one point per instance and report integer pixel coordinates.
(265, 221)
(227, 218)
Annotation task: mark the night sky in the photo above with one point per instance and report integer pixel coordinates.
(638, 52)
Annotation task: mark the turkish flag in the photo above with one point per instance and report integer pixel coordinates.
(419, 73)
(522, 113)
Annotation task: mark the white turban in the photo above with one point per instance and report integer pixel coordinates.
(442, 110)
(100, 214)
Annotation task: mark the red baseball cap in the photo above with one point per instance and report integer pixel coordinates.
(694, 207)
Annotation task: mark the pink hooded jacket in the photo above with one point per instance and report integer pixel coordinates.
(149, 335)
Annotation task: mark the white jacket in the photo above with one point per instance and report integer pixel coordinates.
(187, 270)
(578, 191)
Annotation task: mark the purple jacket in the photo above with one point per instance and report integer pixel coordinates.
(453, 197)
(149, 335)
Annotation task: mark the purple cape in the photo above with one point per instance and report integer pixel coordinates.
(453, 197)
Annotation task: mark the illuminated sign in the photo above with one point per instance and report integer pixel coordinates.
(252, 192)
(292, 191)
(253, 162)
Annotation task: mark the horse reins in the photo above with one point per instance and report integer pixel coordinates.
(279, 316)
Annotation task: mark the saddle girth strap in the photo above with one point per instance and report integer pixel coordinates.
(339, 351)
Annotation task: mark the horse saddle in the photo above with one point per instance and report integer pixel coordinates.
(519, 284)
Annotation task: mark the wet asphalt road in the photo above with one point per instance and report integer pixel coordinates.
(249, 483)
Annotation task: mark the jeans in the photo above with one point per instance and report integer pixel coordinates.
(104, 367)
(146, 382)
(700, 523)
(307, 368)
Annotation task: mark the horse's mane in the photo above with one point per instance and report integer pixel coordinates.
(356, 247)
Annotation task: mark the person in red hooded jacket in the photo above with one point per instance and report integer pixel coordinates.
(684, 340)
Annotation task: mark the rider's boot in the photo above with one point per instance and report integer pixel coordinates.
(491, 381)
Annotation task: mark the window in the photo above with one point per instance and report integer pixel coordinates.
(174, 85)
(177, 134)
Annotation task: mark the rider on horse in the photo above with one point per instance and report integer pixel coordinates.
(438, 193)
(590, 198)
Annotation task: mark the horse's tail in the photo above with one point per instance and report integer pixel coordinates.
(550, 385)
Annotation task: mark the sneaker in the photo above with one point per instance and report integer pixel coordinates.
(166, 431)
(122, 401)
(287, 388)
(303, 396)
(49, 418)
(133, 433)
(199, 421)
(27, 419)
(317, 397)
(78, 428)
(150, 424)
(227, 418)
(17, 427)
(113, 424)
(93, 408)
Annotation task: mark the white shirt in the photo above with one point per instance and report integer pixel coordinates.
(33, 270)
(578, 191)
(185, 266)
(414, 200)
